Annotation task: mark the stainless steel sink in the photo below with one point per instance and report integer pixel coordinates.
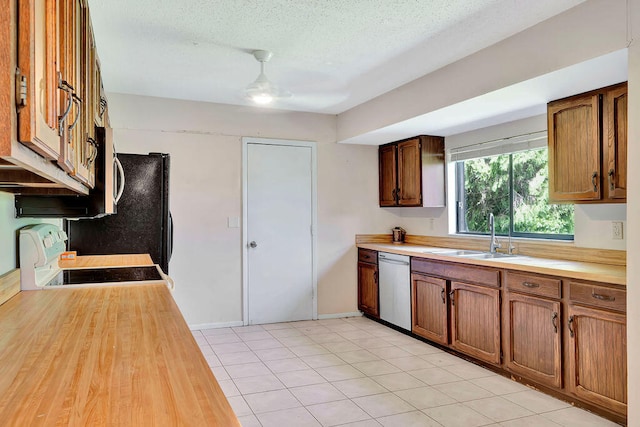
(488, 255)
(465, 253)
(454, 252)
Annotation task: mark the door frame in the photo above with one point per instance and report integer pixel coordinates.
(314, 218)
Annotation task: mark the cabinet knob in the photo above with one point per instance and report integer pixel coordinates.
(253, 244)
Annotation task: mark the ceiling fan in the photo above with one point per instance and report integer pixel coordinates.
(262, 91)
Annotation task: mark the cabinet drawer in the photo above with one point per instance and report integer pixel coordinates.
(600, 296)
(428, 266)
(533, 284)
(466, 273)
(367, 255)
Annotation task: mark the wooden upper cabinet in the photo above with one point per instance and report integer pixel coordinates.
(387, 174)
(598, 357)
(615, 142)
(411, 172)
(429, 308)
(588, 146)
(574, 149)
(533, 338)
(38, 111)
(409, 176)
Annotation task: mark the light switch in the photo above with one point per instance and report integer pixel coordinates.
(233, 222)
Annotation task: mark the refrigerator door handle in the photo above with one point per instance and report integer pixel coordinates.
(170, 236)
(121, 174)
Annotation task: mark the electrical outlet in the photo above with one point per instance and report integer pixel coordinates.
(616, 230)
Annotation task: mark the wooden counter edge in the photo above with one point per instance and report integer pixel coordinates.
(612, 274)
(9, 285)
(538, 248)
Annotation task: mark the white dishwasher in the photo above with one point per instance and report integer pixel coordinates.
(395, 289)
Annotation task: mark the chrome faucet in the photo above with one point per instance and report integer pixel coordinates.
(493, 245)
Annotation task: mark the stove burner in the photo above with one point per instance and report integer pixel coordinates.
(106, 275)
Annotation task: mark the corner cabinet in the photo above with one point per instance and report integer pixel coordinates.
(411, 172)
(588, 146)
(48, 105)
(368, 298)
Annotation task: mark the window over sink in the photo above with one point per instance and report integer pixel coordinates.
(514, 186)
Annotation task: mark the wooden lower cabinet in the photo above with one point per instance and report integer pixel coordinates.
(368, 289)
(475, 321)
(532, 327)
(429, 308)
(598, 357)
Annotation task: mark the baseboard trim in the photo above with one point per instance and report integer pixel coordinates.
(339, 315)
(201, 326)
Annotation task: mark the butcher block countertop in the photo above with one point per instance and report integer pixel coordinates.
(104, 356)
(614, 274)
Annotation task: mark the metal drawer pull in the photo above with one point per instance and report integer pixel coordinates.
(530, 285)
(602, 297)
(452, 297)
(554, 322)
(594, 180)
(375, 277)
(570, 324)
(442, 296)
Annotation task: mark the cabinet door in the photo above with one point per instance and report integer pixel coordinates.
(84, 131)
(614, 144)
(574, 149)
(532, 338)
(368, 288)
(387, 174)
(38, 37)
(429, 308)
(69, 102)
(598, 357)
(475, 321)
(409, 173)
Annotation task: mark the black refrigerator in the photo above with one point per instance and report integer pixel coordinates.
(142, 224)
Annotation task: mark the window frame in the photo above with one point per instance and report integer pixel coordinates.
(460, 208)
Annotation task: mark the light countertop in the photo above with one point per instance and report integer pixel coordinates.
(102, 356)
(605, 273)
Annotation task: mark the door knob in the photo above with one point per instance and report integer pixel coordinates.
(253, 244)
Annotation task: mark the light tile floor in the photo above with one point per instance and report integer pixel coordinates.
(356, 372)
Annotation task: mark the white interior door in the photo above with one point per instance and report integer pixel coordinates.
(279, 227)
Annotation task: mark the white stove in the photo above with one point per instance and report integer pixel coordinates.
(40, 249)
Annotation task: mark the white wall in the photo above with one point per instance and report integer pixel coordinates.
(204, 141)
(9, 226)
(633, 230)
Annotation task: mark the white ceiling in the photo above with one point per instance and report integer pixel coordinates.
(331, 54)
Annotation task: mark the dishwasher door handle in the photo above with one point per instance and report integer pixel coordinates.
(393, 261)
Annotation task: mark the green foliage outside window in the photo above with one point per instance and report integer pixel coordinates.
(514, 187)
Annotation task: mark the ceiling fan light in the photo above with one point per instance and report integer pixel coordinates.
(261, 91)
(262, 98)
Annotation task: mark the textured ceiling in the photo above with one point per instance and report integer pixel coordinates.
(332, 55)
